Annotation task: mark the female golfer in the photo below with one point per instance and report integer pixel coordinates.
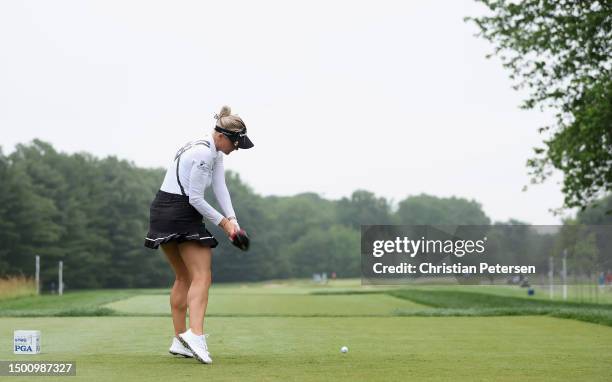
(176, 225)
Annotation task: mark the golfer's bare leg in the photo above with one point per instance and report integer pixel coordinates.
(178, 294)
(198, 262)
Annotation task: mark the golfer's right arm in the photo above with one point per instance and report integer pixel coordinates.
(198, 179)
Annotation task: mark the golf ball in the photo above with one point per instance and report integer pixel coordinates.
(344, 349)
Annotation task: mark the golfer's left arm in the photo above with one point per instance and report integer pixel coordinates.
(221, 192)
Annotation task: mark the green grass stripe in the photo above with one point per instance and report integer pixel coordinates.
(276, 305)
(307, 349)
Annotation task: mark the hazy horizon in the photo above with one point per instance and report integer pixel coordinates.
(394, 98)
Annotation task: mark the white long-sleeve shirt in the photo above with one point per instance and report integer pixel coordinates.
(197, 165)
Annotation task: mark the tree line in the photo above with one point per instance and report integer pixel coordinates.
(559, 53)
(93, 215)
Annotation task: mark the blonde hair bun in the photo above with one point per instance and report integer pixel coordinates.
(225, 111)
(226, 120)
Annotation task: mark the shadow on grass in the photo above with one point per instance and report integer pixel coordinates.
(461, 303)
(448, 303)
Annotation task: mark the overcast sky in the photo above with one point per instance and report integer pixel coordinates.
(394, 97)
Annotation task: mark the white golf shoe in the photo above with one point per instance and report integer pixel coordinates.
(197, 345)
(177, 348)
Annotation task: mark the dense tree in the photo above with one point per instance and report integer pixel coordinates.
(560, 51)
(333, 250)
(600, 214)
(364, 208)
(431, 210)
(84, 211)
(96, 224)
(599, 220)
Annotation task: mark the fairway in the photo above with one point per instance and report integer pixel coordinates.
(277, 305)
(280, 332)
(290, 348)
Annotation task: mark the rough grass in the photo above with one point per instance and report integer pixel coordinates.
(464, 299)
(77, 303)
(449, 302)
(17, 286)
(461, 303)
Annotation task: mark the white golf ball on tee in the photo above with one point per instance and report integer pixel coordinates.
(344, 349)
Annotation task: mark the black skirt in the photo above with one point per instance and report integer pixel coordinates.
(172, 218)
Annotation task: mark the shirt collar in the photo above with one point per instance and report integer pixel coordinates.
(210, 139)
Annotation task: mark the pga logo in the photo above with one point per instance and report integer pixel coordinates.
(26, 342)
(21, 345)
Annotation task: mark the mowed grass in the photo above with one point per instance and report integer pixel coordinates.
(78, 303)
(292, 331)
(304, 299)
(300, 305)
(280, 299)
(575, 293)
(307, 349)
